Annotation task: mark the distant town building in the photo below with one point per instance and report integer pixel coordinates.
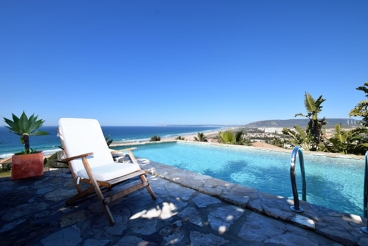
(352, 122)
(273, 130)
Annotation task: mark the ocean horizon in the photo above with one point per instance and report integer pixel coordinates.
(49, 144)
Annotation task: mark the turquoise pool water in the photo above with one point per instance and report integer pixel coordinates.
(335, 183)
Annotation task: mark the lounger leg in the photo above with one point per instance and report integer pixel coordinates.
(144, 179)
(103, 203)
(98, 191)
(108, 214)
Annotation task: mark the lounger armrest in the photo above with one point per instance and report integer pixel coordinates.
(77, 157)
(130, 153)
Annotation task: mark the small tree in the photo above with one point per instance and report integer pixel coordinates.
(315, 125)
(277, 141)
(361, 109)
(200, 137)
(155, 138)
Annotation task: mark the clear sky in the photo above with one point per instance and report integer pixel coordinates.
(181, 62)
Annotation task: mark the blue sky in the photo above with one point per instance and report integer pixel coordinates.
(181, 62)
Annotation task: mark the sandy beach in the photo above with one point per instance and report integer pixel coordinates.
(211, 138)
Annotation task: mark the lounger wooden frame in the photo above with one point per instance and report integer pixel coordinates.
(96, 185)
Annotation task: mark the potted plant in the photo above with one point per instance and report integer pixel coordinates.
(29, 162)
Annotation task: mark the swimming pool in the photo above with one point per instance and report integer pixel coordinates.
(335, 183)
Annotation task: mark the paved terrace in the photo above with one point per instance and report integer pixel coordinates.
(191, 209)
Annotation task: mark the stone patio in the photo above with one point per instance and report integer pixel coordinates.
(191, 209)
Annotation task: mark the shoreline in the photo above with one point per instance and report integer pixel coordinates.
(210, 134)
(49, 148)
(187, 137)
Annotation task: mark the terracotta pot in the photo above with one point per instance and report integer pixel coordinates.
(25, 166)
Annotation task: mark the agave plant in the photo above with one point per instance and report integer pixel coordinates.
(25, 127)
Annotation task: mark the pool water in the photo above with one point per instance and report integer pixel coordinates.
(335, 183)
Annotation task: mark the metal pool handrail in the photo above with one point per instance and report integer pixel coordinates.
(365, 193)
(297, 150)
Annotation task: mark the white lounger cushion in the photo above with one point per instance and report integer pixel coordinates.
(83, 136)
(110, 171)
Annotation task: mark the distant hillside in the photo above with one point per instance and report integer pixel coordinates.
(345, 122)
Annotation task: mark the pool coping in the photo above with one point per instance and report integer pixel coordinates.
(340, 227)
(288, 151)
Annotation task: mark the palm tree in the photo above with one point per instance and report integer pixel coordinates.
(226, 137)
(201, 137)
(315, 125)
(229, 137)
(362, 108)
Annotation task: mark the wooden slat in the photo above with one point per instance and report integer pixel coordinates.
(77, 156)
(125, 192)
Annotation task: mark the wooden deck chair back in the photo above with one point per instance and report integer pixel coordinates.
(81, 136)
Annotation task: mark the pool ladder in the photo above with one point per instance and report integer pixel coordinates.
(365, 193)
(296, 208)
(297, 151)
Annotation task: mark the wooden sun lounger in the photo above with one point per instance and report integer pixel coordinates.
(86, 167)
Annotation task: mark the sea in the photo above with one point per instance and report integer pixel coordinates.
(10, 143)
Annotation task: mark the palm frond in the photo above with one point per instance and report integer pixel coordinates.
(309, 102)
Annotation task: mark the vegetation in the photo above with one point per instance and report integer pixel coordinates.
(5, 173)
(314, 133)
(361, 109)
(277, 141)
(5, 167)
(155, 138)
(200, 137)
(25, 127)
(298, 137)
(108, 141)
(55, 161)
(180, 138)
(348, 142)
(230, 137)
(354, 141)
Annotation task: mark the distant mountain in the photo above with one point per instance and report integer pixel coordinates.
(345, 122)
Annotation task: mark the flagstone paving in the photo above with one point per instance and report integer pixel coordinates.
(190, 209)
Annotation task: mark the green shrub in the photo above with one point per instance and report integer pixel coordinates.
(155, 138)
